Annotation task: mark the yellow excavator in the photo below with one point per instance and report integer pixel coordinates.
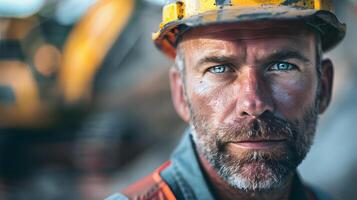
(47, 68)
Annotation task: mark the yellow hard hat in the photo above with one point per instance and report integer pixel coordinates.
(182, 15)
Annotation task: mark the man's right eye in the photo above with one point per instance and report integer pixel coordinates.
(219, 69)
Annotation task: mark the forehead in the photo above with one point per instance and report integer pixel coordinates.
(259, 36)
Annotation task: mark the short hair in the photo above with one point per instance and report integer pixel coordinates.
(180, 64)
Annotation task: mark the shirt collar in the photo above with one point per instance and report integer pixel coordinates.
(186, 162)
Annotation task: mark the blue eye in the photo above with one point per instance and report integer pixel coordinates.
(282, 66)
(219, 69)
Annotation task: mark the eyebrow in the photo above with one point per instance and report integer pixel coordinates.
(215, 59)
(286, 54)
(280, 55)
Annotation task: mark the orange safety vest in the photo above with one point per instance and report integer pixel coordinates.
(152, 187)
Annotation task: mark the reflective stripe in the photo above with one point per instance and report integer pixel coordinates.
(162, 184)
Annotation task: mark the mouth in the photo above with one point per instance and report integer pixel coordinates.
(259, 144)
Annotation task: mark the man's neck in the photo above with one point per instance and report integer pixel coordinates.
(222, 190)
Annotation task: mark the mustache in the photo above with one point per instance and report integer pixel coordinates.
(266, 127)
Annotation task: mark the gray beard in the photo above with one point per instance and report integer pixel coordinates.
(255, 170)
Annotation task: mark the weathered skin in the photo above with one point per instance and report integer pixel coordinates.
(249, 85)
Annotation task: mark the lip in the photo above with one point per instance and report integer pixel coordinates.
(259, 144)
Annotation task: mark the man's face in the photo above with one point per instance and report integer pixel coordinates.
(251, 91)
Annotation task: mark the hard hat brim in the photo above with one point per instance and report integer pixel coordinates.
(325, 23)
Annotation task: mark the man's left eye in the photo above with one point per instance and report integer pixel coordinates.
(282, 66)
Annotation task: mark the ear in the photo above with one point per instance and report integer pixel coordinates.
(178, 94)
(327, 74)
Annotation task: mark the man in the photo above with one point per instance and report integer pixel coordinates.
(250, 81)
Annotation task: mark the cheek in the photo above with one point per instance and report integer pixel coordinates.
(293, 97)
(211, 100)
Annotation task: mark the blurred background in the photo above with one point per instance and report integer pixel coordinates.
(85, 105)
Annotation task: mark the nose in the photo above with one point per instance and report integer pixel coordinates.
(254, 95)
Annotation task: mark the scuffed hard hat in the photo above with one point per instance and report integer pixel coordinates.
(182, 15)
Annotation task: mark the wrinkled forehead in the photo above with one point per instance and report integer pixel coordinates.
(259, 28)
(256, 40)
(290, 32)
